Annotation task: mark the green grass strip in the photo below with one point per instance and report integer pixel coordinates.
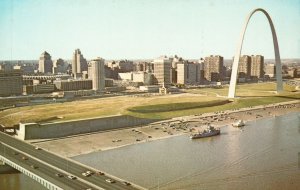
(176, 106)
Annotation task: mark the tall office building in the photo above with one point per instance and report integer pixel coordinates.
(79, 63)
(257, 66)
(213, 68)
(244, 67)
(188, 73)
(59, 66)
(45, 63)
(10, 82)
(162, 71)
(97, 74)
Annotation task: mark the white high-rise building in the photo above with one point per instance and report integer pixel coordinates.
(79, 63)
(162, 71)
(45, 63)
(97, 74)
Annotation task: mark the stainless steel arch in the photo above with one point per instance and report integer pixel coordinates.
(234, 71)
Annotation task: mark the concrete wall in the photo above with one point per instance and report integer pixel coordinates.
(60, 129)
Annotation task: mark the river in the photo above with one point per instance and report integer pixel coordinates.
(262, 155)
(18, 181)
(265, 154)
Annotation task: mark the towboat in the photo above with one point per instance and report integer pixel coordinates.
(210, 131)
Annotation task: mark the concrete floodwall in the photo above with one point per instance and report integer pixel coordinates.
(60, 129)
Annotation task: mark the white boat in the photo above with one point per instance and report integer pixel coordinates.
(239, 123)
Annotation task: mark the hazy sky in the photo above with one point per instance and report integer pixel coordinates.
(131, 29)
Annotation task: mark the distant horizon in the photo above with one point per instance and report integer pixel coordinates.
(140, 29)
(225, 59)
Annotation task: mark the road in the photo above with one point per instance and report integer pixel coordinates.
(59, 163)
(41, 169)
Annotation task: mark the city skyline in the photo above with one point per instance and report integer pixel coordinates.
(143, 30)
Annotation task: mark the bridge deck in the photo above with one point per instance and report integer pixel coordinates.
(49, 164)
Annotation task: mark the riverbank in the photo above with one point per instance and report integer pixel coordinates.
(100, 141)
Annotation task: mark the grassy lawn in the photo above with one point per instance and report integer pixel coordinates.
(89, 108)
(237, 103)
(176, 106)
(245, 90)
(195, 101)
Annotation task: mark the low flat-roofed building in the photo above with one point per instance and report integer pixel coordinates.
(141, 77)
(109, 82)
(144, 77)
(151, 88)
(125, 76)
(115, 89)
(43, 88)
(27, 89)
(71, 94)
(270, 70)
(11, 82)
(68, 85)
(38, 88)
(292, 72)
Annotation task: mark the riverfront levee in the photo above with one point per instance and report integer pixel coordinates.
(100, 141)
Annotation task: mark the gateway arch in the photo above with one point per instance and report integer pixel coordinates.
(234, 71)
